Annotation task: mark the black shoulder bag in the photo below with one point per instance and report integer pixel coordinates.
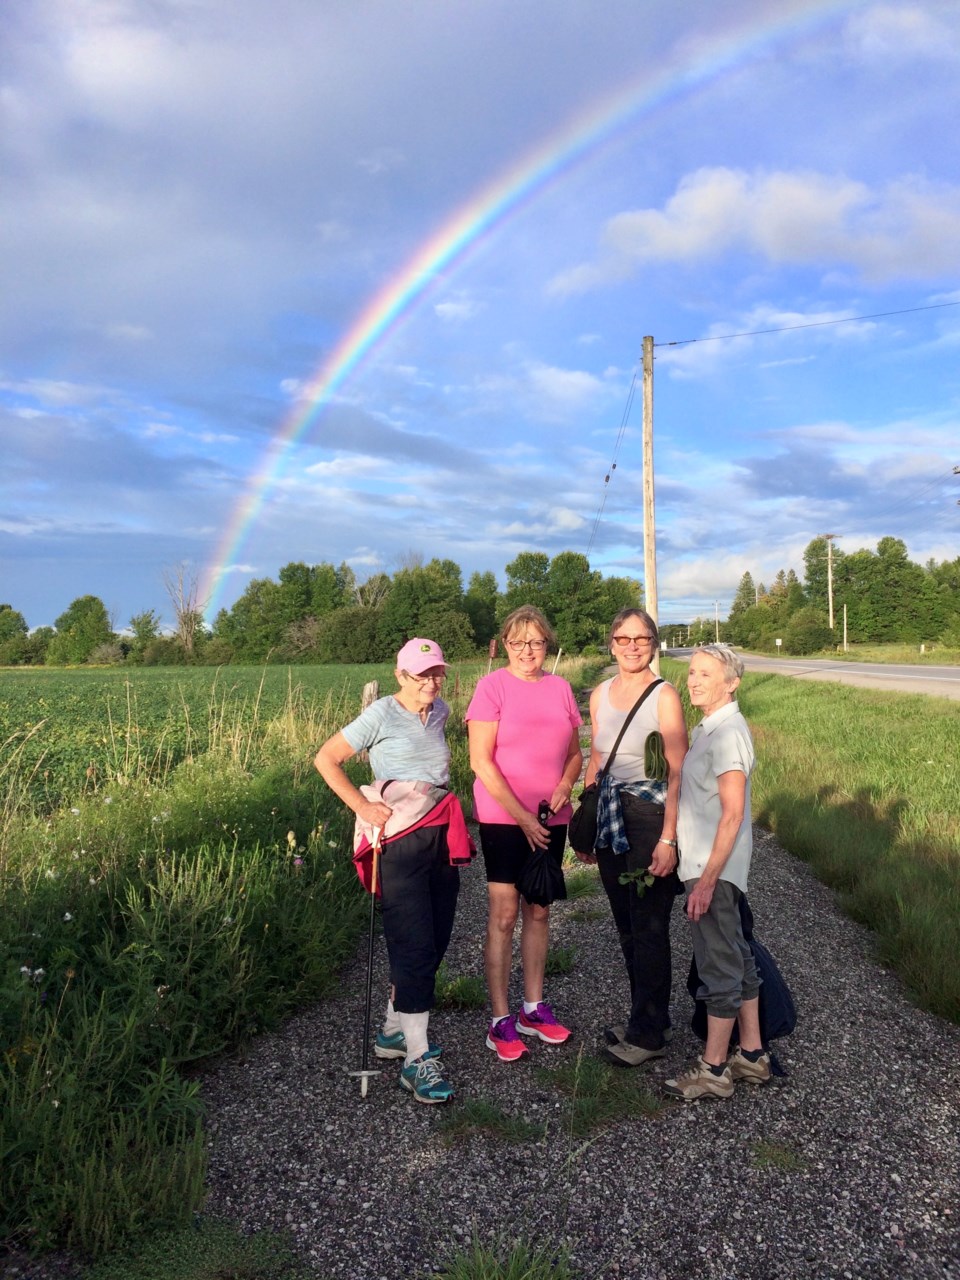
(582, 831)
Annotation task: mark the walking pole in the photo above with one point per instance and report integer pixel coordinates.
(365, 1073)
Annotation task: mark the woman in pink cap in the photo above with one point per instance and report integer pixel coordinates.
(424, 841)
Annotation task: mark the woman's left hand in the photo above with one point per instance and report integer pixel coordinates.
(699, 899)
(560, 797)
(589, 859)
(664, 860)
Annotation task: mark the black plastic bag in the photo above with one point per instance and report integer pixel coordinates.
(541, 880)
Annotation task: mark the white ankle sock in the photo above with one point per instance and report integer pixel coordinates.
(391, 1022)
(414, 1028)
(530, 1006)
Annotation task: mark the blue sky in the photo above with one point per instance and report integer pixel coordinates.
(200, 197)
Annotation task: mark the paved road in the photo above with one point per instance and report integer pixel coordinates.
(941, 682)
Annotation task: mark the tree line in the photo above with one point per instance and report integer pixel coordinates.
(321, 613)
(885, 596)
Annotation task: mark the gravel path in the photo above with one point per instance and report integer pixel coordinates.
(868, 1122)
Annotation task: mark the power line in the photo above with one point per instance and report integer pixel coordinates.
(811, 324)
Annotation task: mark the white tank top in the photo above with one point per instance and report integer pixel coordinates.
(628, 763)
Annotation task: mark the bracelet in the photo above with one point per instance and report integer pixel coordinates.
(664, 840)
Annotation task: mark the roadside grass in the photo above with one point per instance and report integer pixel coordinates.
(507, 1259)
(560, 960)
(480, 1115)
(936, 654)
(464, 991)
(206, 1250)
(865, 786)
(777, 1155)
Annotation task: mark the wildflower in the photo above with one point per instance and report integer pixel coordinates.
(331, 844)
(298, 862)
(75, 812)
(55, 1102)
(25, 968)
(108, 799)
(93, 880)
(38, 973)
(291, 840)
(71, 974)
(50, 873)
(75, 856)
(228, 919)
(67, 917)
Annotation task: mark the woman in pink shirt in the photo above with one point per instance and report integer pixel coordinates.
(524, 750)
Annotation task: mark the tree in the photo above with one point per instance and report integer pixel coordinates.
(13, 636)
(527, 582)
(84, 625)
(746, 596)
(254, 627)
(808, 631)
(145, 627)
(480, 605)
(575, 603)
(183, 591)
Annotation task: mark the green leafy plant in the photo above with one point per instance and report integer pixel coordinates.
(560, 960)
(641, 878)
(477, 1115)
(465, 991)
(207, 1250)
(504, 1259)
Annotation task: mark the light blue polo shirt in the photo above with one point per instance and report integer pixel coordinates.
(401, 746)
(720, 743)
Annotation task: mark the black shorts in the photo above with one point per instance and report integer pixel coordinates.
(506, 849)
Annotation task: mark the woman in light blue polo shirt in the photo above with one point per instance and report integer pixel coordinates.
(715, 836)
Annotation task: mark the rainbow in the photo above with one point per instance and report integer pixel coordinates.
(466, 229)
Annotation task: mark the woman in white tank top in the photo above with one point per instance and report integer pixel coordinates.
(639, 836)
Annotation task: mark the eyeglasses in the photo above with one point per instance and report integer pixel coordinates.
(422, 680)
(640, 641)
(519, 645)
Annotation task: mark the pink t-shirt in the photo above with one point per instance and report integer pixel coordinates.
(535, 719)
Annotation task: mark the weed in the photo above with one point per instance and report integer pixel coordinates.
(598, 1094)
(582, 882)
(466, 991)
(560, 960)
(208, 1250)
(477, 1115)
(774, 1155)
(507, 1260)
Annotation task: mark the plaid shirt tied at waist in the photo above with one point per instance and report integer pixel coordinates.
(611, 831)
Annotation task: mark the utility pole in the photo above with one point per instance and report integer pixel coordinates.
(649, 516)
(716, 618)
(829, 540)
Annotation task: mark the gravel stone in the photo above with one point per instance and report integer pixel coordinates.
(861, 1180)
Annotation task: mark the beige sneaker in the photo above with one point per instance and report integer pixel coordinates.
(700, 1082)
(742, 1068)
(625, 1054)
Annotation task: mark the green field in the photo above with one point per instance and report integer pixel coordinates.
(72, 732)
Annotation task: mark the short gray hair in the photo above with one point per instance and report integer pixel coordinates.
(732, 663)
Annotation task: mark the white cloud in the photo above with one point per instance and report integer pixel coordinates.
(464, 309)
(901, 33)
(906, 228)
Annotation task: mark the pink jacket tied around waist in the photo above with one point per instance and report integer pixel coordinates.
(414, 805)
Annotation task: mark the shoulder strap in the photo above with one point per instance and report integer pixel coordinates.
(626, 724)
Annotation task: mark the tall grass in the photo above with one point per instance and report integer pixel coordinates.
(148, 925)
(864, 786)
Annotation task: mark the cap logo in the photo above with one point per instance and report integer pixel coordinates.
(426, 648)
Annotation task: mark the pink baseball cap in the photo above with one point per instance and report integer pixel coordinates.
(419, 655)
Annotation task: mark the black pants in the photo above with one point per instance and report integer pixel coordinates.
(643, 923)
(419, 898)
